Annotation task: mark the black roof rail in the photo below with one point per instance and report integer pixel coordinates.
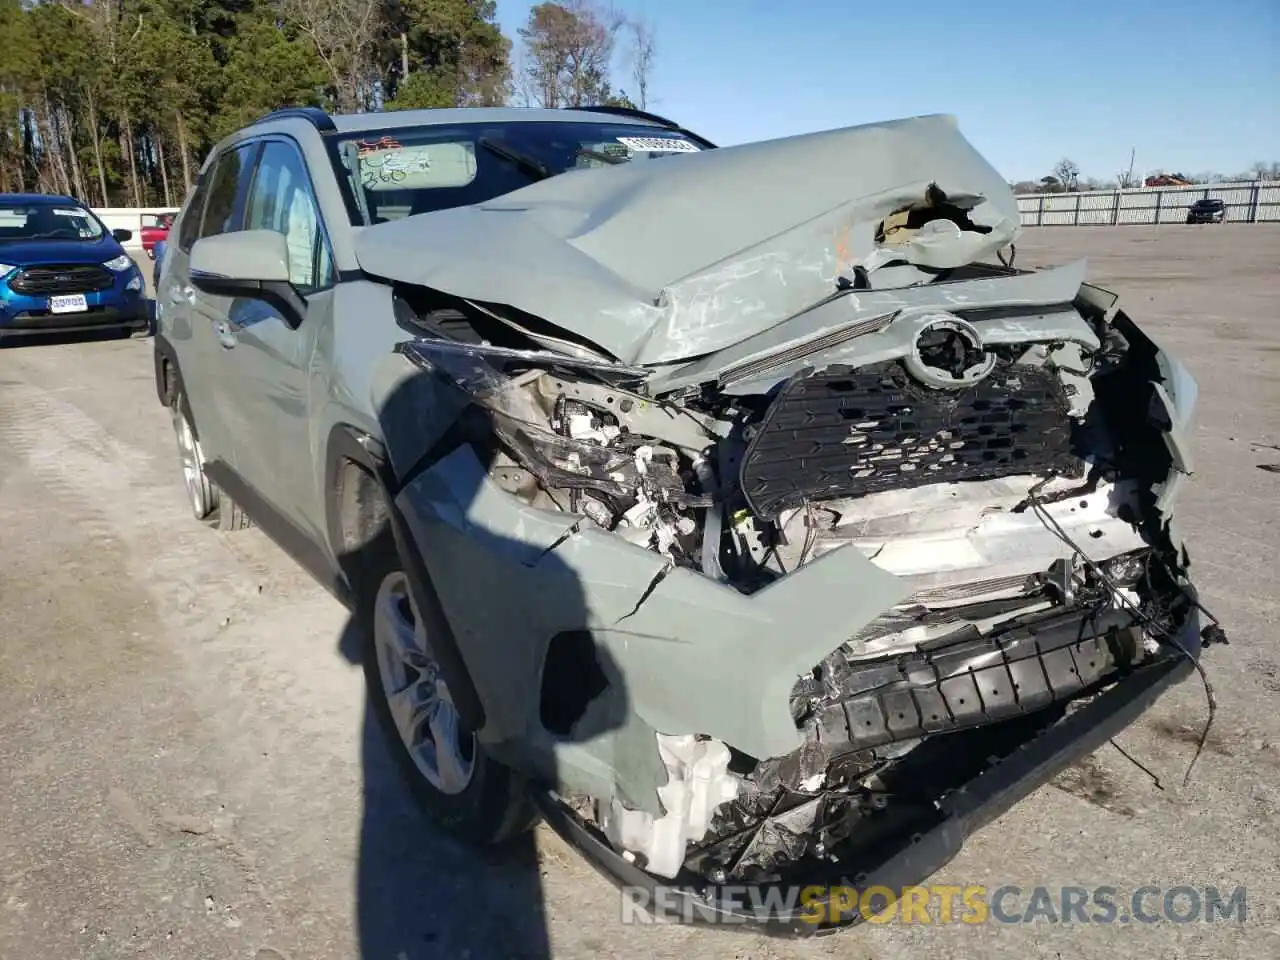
(314, 115)
(629, 112)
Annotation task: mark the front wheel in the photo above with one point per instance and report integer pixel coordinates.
(446, 768)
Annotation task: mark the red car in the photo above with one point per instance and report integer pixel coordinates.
(153, 233)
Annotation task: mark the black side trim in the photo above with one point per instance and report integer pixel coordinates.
(286, 535)
(349, 443)
(163, 352)
(967, 809)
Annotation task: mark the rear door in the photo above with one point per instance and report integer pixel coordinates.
(271, 398)
(205, 361)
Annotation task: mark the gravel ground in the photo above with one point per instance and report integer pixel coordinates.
(187, 769)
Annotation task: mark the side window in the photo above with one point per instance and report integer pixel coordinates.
(282, 200)
(228, 184)
(189, 222)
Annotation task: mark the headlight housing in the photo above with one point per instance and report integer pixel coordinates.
(613, 468)
(556, 460)
(6, 269)
(119, 264)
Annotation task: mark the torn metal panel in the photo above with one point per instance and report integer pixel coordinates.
(694, 655)
(577, 250)
(543, 567)
(400, 394)
(705, 658)
(813, 338)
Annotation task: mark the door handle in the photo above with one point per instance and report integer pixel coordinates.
(225, 336)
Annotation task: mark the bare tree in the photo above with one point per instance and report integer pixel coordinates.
(643, 48)
(1267, 171)
(1066, 172)
(1125, 178)
(567, 52)
(345, 35)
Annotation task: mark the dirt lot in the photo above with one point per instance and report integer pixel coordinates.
(186, 769)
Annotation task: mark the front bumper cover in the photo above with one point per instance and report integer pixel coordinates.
(31, 323)
(960, 813)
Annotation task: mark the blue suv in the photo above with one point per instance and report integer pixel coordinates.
(62, 270)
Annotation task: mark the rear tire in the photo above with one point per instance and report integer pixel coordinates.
(202, 493)
(231, 515)
(450, 775)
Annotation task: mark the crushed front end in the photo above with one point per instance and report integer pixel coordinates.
(809, 608)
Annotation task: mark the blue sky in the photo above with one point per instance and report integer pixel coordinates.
(1192, 86)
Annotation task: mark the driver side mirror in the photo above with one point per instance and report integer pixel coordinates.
(252, 264)
(121, 236)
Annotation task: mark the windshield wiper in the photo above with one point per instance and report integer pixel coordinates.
(507, 152)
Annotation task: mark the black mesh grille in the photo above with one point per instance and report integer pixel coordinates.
(75, 278)
(846, 433)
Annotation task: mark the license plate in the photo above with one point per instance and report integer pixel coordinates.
(75, 303)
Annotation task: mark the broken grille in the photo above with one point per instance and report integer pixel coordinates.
(847, 433)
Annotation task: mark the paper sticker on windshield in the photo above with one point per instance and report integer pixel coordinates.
(658, 145)
(67, 212)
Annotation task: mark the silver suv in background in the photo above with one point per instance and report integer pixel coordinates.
(744, 511)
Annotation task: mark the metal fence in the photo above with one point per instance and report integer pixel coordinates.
(1250, 201)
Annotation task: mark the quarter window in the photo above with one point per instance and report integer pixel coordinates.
(282, 200)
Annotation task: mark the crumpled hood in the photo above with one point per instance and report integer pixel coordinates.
(664, 261)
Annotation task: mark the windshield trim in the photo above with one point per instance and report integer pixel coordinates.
(357, 216)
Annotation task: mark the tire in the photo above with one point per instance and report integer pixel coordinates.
(202, 493)
(464, 790)
(231, 515)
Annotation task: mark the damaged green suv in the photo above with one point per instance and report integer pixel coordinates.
(744, 512)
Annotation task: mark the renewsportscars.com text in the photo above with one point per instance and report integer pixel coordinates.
(942, 904)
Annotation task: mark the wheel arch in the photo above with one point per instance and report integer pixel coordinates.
(168, 374)
(359, 493)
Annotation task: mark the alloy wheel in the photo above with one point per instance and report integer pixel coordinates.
(199, 489)
(417, 695)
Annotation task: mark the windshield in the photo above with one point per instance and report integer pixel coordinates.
(47, 221)
(399, 172)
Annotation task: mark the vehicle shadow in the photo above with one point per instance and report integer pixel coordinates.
(420, 893)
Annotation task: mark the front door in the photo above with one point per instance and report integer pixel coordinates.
(272, 394)
(194, 318)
